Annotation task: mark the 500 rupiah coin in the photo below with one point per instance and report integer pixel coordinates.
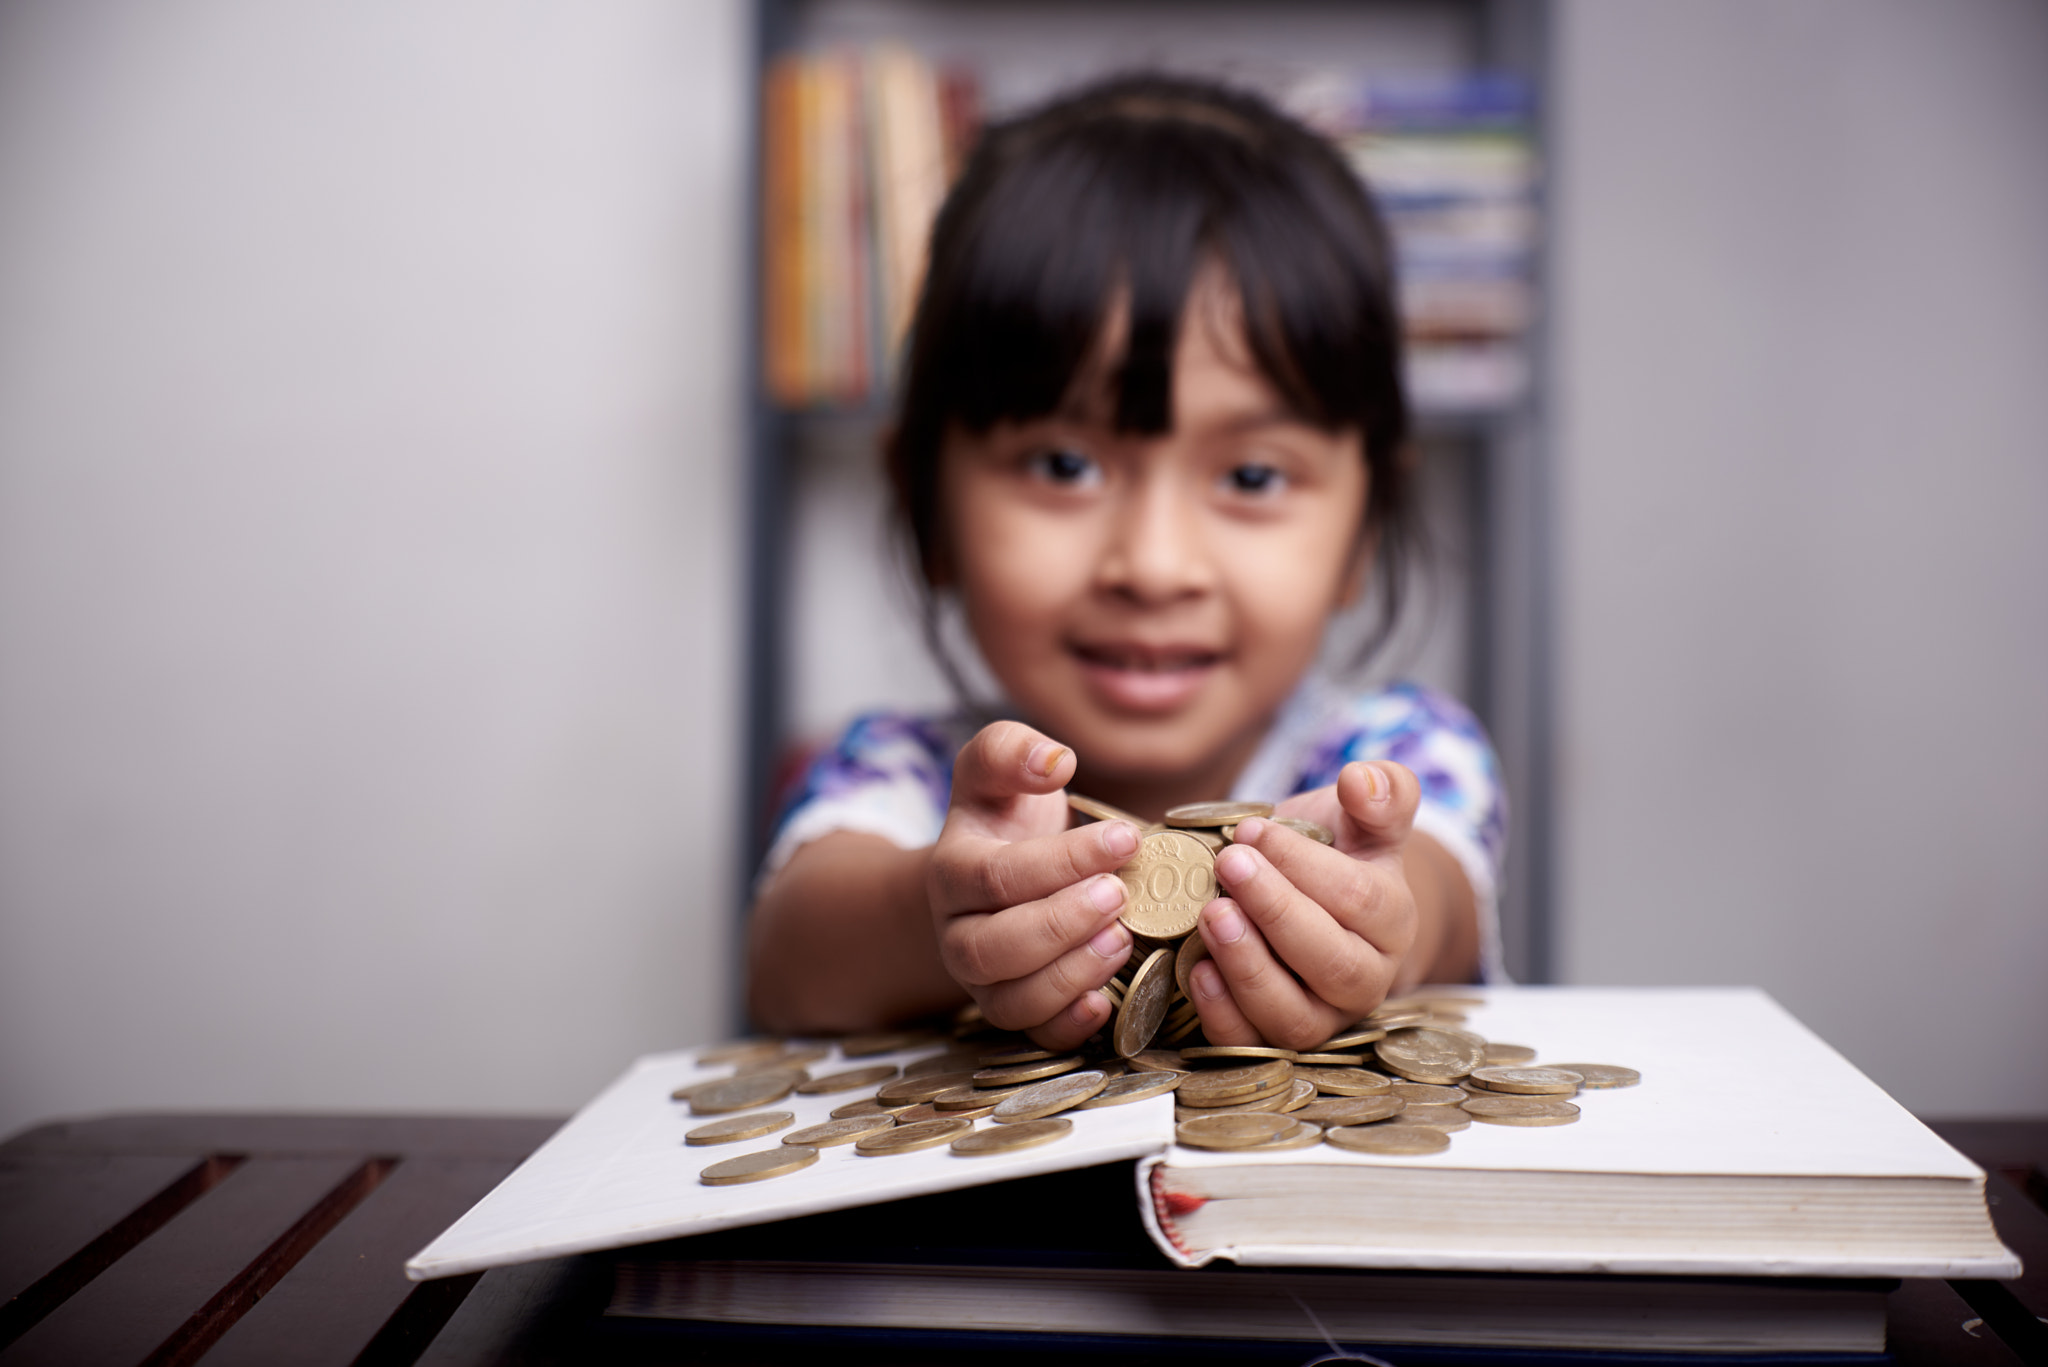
(1167, 883)
(1144, 1007)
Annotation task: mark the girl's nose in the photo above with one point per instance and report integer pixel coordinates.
(1156, 552)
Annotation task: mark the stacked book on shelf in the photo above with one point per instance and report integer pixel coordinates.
(1455, 170)
(860, 146)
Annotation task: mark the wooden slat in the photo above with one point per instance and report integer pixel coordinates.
(142, 1300)
(52, 1206)
(328, 1308)
(511, 1137)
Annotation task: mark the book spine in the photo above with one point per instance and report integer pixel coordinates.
(1160, 1209)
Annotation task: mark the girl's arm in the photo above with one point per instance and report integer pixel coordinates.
(1446, 948)
(841, 939)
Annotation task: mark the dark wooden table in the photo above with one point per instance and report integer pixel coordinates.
(278, 1240)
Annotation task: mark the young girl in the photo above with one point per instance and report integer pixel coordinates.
(1152, 437)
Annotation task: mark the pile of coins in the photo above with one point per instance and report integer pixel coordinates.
(1432, 1078)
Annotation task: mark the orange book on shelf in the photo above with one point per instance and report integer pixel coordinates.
(782, 227)
(907, 155)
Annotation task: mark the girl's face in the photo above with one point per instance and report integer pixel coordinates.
(1152, 600)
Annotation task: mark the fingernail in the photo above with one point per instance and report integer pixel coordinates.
(1106, 893)
(1234, 864)
(1110, 943)
(1044, 758)
(1207, 981)
(1377, 789)
(1249, 830)
(1120, 838)
(1086, 1010)
(1228, 927)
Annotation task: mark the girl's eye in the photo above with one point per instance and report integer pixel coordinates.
(1069, 469)
(1253, 478)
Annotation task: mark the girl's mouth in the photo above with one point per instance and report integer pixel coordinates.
(1141, 678)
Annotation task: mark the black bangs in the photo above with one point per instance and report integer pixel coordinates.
(1101, 209)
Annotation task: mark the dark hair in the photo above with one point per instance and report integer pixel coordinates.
(1120, 193)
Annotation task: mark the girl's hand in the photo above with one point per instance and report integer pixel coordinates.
(1310, 937)
(1025, 909)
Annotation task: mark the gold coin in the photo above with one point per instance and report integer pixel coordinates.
(741, 1093)
(1330, 1060)
(1601, 1076)
(1016, 1073)
(1275, 1101)
(1183, 1033)
(738, 1051)
(1532, 1119)
(1103, 811)
(1202, 1100)
(1184, 1014)
(1137, 1020)
(1192, 951)
(1351, 1039)
(1389, 1017)
(1238, 1131)
(740, 1127)
(925, 1110)
(1215, 813)
(832, 1132)
(1352, 1110)
(1209, 1051)
(848, 1080)
(922, 1088)
(1491, 1107)
(923, 1134)
(1498, 1055)
(1131, 1087)
(1429, 1055)
(1528, 1081)
(973, 1098)
(1042, 1099)
(866, 1106)
(1427, 1094)
(1349, 1081)
(942, 1063)
(1437, 1117)
(1224, 1084)
(1013, 1053)
(1303, 1093)
(865, 1046)
(795, 1057)
(1025, 1134)
(1156, 1061)
(1212, 841)
(1388, 1139)
(758, 1167)
(1167, 883)
(1314, 830)
(1304, 1135)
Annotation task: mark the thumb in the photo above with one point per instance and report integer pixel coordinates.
(1007, 760)
(1379, 798)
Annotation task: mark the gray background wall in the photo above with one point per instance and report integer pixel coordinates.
(368, 568)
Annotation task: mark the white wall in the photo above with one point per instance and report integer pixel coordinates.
(1803, 502)
(369, 423)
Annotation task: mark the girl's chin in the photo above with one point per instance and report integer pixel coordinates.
(1145, 692)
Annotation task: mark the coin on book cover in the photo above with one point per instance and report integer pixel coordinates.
(1528, 1081)
(981, 1099)
(1232, 1131)
(848, 1080)
(1276, 1093)
(923, 1087)
(1144, 1006)
(1390, 1139)
(1167, 883)
(1450, 1118)
(1500, 1055)
(1012, 1053)
(1121, 1091)
(925, 1134)
(1515, 1110)
(1218, 1086)
(866, 1106)
(925, 1110)
(1348, 1081)
(1304, 1135)
(1042, 1099)
(1429, 1055)
(1215, 813)
(1351, 1110)
(827, 1133)
(1330, 1060)
(1600, 1076)
(1103, 811)
(758, 1167)
(741, 1093)
(1351, 1039)
(1213, 1051)
(1016, 1074)
(741, 1127)
(1025, 1134)
(1427, 1094)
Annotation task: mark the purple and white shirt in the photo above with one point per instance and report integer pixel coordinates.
(891, 774)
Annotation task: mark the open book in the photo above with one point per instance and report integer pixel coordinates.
(1750, 1148)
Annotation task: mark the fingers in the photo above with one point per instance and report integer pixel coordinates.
(981, 949)
(1337, 964)
(1378, 798)
(1245, 995)
(973, 872)
(1365, 897)
(1007, 760)
(1048, 998)
(1073, 1025)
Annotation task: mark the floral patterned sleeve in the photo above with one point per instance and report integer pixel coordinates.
(889, 775)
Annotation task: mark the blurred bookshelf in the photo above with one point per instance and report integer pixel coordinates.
(866, 111)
